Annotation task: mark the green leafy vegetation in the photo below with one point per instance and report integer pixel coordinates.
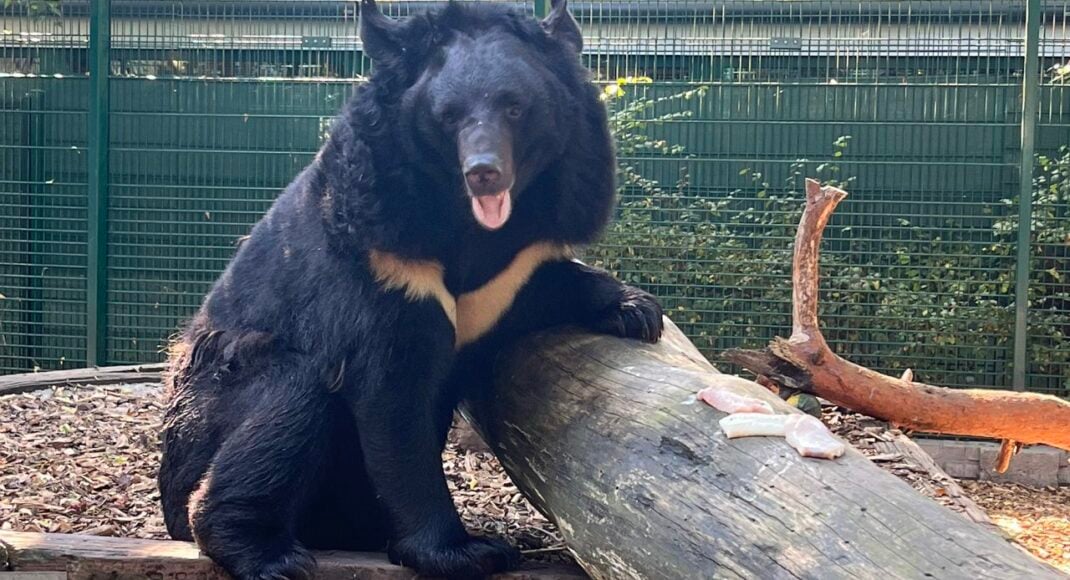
(36, 7)
(898, 296)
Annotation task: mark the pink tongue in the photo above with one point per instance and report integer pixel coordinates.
(492, 211)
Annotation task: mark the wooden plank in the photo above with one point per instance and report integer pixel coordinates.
(95, 557)
(20, 383)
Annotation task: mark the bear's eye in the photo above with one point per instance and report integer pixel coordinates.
(514, 111)
(449, 117)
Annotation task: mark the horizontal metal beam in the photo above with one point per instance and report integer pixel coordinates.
(977, 10)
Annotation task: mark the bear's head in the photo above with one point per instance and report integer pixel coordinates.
(492, 113)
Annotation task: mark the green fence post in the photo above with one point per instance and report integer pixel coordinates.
(542, 8)
(1030, 96)
(97, 205)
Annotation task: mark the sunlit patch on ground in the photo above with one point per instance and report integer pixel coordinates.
(1038, 519)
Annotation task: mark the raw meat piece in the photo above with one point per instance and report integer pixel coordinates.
(753, 425)
(728, 402)
(809, 436)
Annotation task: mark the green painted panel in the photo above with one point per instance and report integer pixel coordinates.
(213, 111)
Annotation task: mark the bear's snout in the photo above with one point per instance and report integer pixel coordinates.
(484, 175)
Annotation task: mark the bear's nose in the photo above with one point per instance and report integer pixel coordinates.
(484, 178)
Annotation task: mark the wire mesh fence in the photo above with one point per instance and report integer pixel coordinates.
(43, 140)
(913, 104)
(720, 108)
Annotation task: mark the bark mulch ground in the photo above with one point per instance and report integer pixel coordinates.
(1039, 519)
(83, 460)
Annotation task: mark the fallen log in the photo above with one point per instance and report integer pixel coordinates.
(606, 438)
(912, 455)
(805, 362)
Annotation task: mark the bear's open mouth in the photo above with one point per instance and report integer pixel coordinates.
(492, 211)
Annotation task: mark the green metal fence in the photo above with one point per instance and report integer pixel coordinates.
(721, 106)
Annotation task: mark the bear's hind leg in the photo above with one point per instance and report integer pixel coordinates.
(188, 448)
(244, 515)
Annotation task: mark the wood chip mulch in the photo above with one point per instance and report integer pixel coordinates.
(1039, 519)
(83, 460)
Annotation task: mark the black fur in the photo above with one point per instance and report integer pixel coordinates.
(309, 406)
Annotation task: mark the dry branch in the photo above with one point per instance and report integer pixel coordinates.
(1007, 450)
(806, 363)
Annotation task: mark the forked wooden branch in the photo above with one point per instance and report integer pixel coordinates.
(805, 362)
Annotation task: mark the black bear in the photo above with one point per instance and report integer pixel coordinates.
(311, 395)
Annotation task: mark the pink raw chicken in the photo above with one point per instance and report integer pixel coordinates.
(728, 402)
(809, 436)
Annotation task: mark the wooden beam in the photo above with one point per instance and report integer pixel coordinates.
(95, 558)
(147, 373)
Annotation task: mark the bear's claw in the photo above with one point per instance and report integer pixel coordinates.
(636, 314)
(476, 557)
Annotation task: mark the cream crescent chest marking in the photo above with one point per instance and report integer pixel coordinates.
(419, 279)
(474, 313)
(478, 311)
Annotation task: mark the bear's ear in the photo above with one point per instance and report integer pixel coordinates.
(560, 25)
(379, 34)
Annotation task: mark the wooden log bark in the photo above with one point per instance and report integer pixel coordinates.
(916, 457)
(805, 362)
(606, 438)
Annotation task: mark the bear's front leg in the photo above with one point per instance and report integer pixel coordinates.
(245, 511)
(571, 292)
(399, 411)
